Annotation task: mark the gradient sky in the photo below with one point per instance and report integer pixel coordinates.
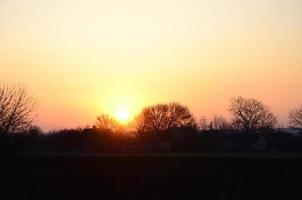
(83, 58)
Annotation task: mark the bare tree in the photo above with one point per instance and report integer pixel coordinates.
(139, 123)
(105, 121)
(220, 123)
(295, 117)
(250, 114)
(203, 124)
(163, 117)
(17, 109)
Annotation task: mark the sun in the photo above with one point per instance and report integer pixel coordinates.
(122, 115)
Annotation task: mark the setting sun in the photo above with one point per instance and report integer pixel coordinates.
(149, 99)
(122, 115)
(92, 57)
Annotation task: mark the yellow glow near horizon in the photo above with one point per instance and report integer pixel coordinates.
(122, 102)
(85, 58)
(122, 115)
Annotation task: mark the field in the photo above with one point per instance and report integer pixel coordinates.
(173, 176)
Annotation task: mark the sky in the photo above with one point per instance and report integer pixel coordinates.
(83, 58)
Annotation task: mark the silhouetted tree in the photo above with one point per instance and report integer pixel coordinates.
(295, 117)
(140, 124)
(106, 122)
(220, 123)
(34, 131)
(217, 123)
(17, 109)
(163, 117)
(203, 124)
(250, 114)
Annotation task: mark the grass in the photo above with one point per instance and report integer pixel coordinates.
(265, 155)
(153, 176)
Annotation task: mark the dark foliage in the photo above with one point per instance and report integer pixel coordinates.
(183, 139)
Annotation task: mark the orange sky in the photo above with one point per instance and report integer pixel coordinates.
(82, 58)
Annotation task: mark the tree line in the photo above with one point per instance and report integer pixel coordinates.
(248, 114)
(154, 125)
(18, 110)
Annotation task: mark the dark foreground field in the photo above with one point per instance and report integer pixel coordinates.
(151, 177)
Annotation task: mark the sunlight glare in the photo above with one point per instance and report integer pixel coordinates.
(122, 115)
